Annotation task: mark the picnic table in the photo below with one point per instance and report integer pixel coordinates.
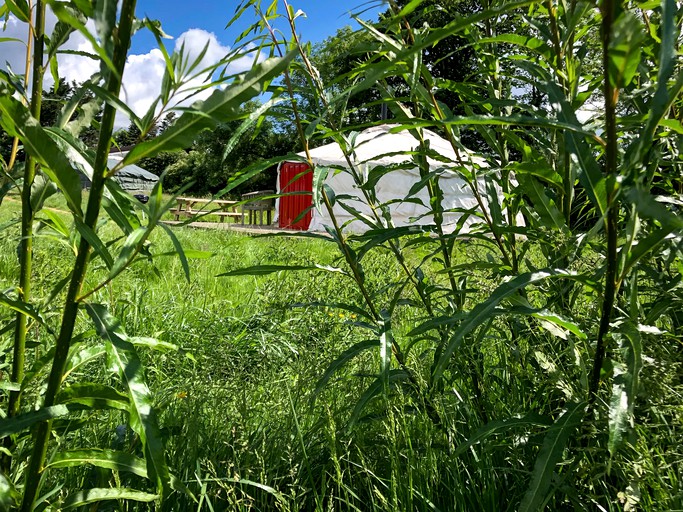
(191, 206)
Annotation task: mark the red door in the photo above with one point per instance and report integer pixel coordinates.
(296, 185)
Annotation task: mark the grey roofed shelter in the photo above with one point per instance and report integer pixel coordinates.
(131, 177)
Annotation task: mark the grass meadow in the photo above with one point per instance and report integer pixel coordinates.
(246, 428)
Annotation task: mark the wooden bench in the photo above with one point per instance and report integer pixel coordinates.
(191, 206)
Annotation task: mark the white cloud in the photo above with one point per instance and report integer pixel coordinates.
(143, 74)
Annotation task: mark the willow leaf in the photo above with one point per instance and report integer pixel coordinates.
(223, 105)
(550, 454)
(89, 496)
(141, 412)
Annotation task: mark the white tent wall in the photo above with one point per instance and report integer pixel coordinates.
(378, 146)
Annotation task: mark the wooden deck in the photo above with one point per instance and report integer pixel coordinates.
(229, 226)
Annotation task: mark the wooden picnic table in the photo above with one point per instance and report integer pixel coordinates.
(191, 206)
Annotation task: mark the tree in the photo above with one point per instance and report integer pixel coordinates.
(207, 170)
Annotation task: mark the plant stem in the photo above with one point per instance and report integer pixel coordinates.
(27, 215)
(611, 287)
(42, 433)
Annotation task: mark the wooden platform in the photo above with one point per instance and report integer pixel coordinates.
(249, 229)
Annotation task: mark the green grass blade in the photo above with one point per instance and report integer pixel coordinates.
(179, 250)
(549, 455)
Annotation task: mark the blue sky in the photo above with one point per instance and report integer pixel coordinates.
(196, 24)
(323, 18)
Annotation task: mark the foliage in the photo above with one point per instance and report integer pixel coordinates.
(45, 389)
(599, 243)
(501, 366)
(213, 159)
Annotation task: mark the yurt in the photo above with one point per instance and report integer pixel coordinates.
(389, 152)
(132, 178)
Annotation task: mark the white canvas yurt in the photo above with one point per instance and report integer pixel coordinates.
(379, 146)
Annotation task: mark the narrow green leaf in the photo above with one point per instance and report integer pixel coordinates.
(20, 9)
(319, 176)
(498, 426)
(376, 388)
(481, 312)
(544, 206)
(18, 121)
(41, 189)
(93, 395)
(24, 421)
(548, 457)
(179, 251)
(344, 358)
(624, 49)
(86, 497)
(22, 307)
(108, 459)
(99, 248)
(130, 246)
(141, 412)
(222, 106)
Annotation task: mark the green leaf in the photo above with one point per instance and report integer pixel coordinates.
(376, 388)
(17, 121)
(88, 496)
(543, 205)
(222, 106)
(344, 358)
(178, 250)
(21, 307)
(99, 248)
(20, 9)
(24, 421)
(320, 173)
(482, 312)
(141, 412)
(41, 189)
(625, 386)
(130, 247)
(624, 49)
(93, 395)
(108, 459)
(498, 426)
(548, 457)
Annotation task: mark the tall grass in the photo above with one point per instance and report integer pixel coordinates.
(507, 368)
